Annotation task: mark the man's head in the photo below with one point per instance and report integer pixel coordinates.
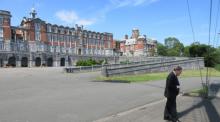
(178, 70)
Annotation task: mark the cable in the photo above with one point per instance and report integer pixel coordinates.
(194, 40)
(190, 19)
(216, 24)
(210, 22)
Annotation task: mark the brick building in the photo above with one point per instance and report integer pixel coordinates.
(36, 42)
(138, 45)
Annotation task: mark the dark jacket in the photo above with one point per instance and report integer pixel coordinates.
(172, 84)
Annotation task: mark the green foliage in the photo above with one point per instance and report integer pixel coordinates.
(172, 47)
(161, 49)
(199, 92)
(172, 52)
(171, 42)
(217, 67)
(186, 51)
(211, 55)
(198, 50)
(158, 76)
(89, 62)
(124, 62)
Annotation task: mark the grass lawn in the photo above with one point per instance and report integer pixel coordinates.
(217, 67)
(159, 76)
(201, 92)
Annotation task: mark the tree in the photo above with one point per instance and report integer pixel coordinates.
(161, 49)
(172, 52)
(211, 55)
(171, 41)
(186, 51)
(173, 47)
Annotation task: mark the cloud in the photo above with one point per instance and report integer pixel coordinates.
(71, 17)
(67, 16)
(123, 3)
(86, 21)
(115, 4)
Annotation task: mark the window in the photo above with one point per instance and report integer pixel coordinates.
(1, 33)
(109, 44)
(49, 37)
(49, 28)
(37, 26)
(1, 21)
(37, 36)
(37, 32)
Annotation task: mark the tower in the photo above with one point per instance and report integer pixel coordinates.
(5, 25)
(135, 33)
(33, 13)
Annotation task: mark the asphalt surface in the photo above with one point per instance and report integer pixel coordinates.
(50, 95)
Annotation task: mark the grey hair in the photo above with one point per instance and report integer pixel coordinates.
(178, 68)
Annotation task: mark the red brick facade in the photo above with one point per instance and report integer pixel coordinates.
(137, 45)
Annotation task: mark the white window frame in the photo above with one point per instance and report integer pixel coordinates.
(1, 33)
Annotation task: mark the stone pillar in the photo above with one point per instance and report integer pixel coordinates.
(105, 72)
(30, 61)
(5, 62)
(55, 62)
(66, 61)
(18, 63)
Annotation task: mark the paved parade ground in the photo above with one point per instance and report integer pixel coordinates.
(50, 95)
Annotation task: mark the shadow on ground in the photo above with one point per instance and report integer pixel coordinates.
(114, 81)
(207, 103)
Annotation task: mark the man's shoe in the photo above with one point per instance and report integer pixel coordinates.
(175, 120)
(167, 118)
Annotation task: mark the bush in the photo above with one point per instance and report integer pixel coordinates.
(124, 62)
(89, 62)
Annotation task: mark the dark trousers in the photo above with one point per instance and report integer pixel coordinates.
(170, 108)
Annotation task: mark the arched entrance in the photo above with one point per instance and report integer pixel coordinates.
(62, 62)
(24, 62)
(79, 51)
(50, 62)
(12, 61)
(38, 62)
(1, 63)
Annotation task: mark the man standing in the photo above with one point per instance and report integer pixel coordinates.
(171, 91)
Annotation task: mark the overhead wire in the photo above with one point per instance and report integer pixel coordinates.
(216, 25)
(194, 39)
(208, 51)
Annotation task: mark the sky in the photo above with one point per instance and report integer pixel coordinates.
(158, 19)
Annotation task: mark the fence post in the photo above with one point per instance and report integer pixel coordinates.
(105, 71)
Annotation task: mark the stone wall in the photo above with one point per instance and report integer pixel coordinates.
(192, 63)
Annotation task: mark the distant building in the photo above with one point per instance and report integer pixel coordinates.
(36, 42)
(116, 47)
(138, 45)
